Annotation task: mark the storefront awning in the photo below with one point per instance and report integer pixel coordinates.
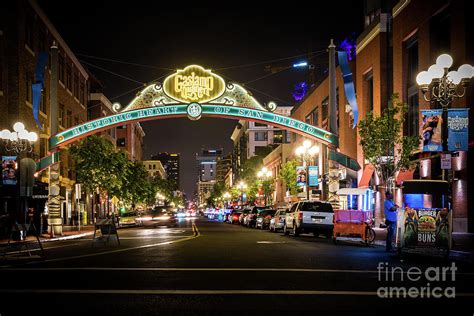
(366, 176)
(404, 175)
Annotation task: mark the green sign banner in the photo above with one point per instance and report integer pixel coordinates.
(180, 110)
(47, 161)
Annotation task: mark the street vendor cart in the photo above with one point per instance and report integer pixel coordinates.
(424, 225)
(353, 222)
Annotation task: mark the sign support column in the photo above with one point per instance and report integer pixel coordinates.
(333, 167)
(54, 197)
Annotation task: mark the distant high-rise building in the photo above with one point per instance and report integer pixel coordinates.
(171, 164)
(206, 164)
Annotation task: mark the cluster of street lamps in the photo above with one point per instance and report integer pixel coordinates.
(307, 152)
(19, 140)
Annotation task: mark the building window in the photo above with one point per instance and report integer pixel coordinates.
(261, 136)
(411, 119)
(29, 31)
(68, 77)
(81, 93)
(256, 124)
(307, 119)
(440, 34)
(325, 108)
(315, 116)
(278, 137)
(154, 166)
(62, 115)
(69, 119)
(121, 142)
(369, 89)
(76, 85)
(287, 137)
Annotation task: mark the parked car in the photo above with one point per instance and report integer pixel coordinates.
(243, 216)
(309, 217)
(278, 221)
(158, 217)
(251, 220)
(129, 219)
(264, 218)
(234, 217)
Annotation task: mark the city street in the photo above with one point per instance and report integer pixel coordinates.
(209, 267)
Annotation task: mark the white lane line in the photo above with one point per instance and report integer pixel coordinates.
(201, 292)
(209, 270)
(196, 234)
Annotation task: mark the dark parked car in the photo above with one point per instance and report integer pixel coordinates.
(264, 218)
(253, 214)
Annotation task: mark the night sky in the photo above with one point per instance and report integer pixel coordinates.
(222, 35)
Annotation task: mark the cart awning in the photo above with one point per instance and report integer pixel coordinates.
(404, 175)
(366, 176)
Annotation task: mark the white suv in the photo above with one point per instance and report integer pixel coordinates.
(309, 217)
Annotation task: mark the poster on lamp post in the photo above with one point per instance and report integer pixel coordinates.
(301, 176)
(431, 126)
(9, 170)
(458, 122)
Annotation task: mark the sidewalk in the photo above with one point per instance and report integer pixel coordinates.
(69, 232)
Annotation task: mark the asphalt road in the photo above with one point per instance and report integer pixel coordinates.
(204, 267)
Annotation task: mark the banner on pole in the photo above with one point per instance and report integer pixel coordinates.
(458, 123)
(9, 170)
(431, 126)
(301, 176)
(313, 174)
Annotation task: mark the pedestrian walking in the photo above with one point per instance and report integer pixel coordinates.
(390, 210)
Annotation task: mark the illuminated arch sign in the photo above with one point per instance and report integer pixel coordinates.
(193, 92)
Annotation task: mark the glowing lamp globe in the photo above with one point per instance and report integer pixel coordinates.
(444, 61)
(423, 78)
(454, 76)
(435, 71)
(299, 151)
(466, 71)
(307, 144)
(5, 134)
(32, 136)
(18, 127)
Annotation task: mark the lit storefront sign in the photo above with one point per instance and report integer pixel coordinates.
(194, 84)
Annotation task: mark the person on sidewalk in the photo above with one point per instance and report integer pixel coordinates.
(390, 210)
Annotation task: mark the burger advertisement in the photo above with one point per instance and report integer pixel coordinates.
(426, 227)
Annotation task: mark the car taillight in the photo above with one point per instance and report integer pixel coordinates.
(300, 216)
(268, 216)
(236, 218)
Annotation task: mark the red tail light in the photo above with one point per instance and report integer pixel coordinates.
(300, 216)
(236, 218)
(268, 216)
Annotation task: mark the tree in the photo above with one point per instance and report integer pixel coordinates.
(383, 142)
(288, 176)
(99, 165)
(136, 188)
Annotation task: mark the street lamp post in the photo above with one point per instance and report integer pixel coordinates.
(226, 197)
(307, 152)
(264, 174)
(441, 87)
(19, 141)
